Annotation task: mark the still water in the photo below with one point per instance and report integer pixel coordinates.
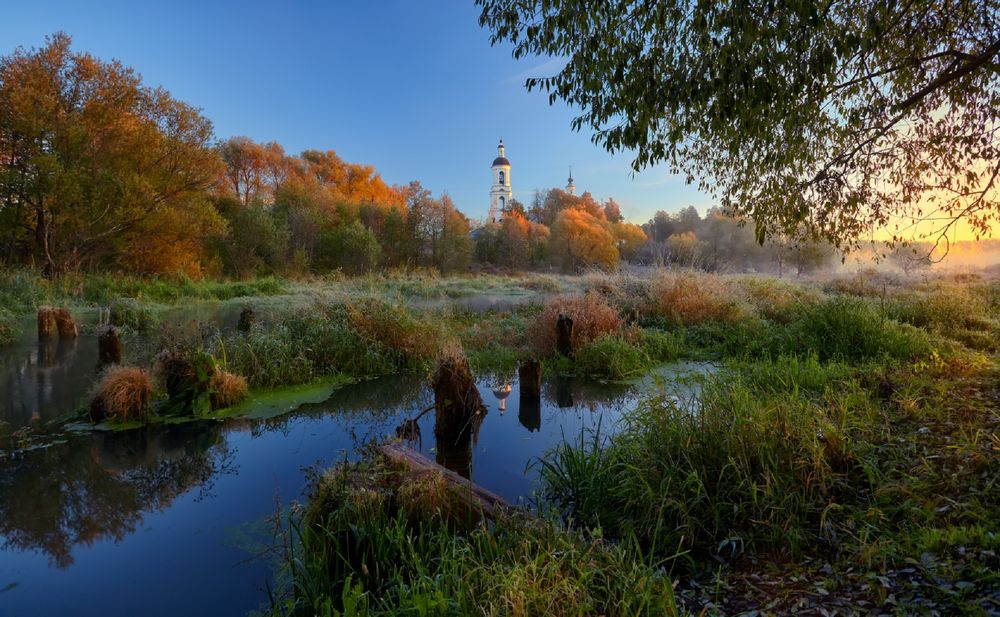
(181, 519)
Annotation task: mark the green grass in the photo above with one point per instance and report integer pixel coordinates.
(368, 546)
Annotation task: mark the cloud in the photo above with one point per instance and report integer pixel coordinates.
(546, 69)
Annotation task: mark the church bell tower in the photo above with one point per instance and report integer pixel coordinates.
(500, 193)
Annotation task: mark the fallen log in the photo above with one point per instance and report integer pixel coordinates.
(489, 503)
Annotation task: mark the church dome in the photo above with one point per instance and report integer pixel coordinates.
(501, 160)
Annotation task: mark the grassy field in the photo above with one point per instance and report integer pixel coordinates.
(847, 457)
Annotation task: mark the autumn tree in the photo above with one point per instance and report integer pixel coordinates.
(581, 240)
(89, 153)
(830, 118)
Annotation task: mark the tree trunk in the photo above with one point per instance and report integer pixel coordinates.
(564, 336)
(530, 379)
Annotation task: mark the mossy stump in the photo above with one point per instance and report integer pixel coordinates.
(564, 335)
(109, 347)
(529, 376)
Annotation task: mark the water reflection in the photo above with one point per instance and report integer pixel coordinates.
(98, 486)
(164, 499)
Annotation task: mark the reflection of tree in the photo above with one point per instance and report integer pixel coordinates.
(99, 486)
(51, 378)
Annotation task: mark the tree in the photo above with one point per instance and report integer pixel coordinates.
(913, 257)
(244, 169)
(629, 238)
(89, 153)
(828, 119)
(353, 248)
(612, 211)
(580, 240)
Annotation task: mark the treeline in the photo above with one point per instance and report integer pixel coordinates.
(101, 172)
(718, 242)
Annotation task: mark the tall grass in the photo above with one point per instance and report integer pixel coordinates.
(375, 550)
(755, 466)
(592, 318)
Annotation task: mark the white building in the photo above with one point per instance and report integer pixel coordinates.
(500, 194)
(570, 187)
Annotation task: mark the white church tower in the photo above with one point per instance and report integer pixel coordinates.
(570, 187)
(500, 194)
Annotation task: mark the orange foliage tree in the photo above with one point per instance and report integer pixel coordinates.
(581, 240)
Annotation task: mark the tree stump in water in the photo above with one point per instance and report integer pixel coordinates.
(529, 376)
(65, 324)
(459, 412)
(46, 322)
(564, 335)
(109, 347)
(246, 320)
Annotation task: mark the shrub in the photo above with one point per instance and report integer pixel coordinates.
(689, 299)
(592, 317)
(123, 394)
(226, 389)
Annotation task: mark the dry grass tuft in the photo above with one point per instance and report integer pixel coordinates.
(226, 389)
(591, 314)
(123, 394)
(689, 299)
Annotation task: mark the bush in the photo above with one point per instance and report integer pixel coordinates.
(592, 317)
(689, 299)
(123, 394)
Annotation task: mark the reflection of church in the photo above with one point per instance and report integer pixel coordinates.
(501, 193)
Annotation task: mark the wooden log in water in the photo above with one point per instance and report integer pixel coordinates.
(109, 347)
(564, 335)
(529, 376)
(489, 503)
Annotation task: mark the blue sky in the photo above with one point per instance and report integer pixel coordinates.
(411, 87)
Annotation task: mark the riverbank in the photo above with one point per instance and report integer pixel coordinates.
(844, 456)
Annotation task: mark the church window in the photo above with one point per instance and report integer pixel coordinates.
(501, 177)
(501, 202)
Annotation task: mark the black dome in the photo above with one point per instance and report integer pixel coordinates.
(501, 160)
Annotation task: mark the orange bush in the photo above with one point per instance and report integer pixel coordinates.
(592, 317)
(691, 298)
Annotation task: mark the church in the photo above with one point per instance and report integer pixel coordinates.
(500, 193)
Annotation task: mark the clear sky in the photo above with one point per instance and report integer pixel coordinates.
(411, 87)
